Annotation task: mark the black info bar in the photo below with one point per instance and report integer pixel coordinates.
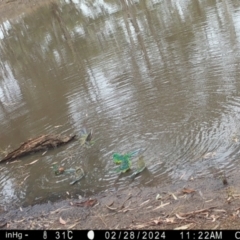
(119, 234)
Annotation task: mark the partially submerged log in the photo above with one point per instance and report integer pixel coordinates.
(41, 143)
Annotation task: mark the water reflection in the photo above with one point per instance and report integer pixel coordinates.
(156, 74)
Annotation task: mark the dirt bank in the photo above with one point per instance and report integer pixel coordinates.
(196, 204)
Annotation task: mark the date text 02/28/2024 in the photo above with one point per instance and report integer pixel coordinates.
(169, 234)
(144, 235)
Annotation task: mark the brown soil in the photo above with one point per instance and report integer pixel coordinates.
(195, 204)
(213, 204)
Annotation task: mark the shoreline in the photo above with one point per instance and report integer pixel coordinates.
(197, 204)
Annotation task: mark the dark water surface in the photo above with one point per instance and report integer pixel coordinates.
(162, 75)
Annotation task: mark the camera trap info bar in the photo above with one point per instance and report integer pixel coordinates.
(118, 234)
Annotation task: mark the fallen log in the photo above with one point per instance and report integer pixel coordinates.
(41, 143)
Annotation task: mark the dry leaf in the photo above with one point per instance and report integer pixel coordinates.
(216, 226)
(62, 221)
(144, 202)
(24, 179)
(198, 211)
(59, 210)
(3, 224)
(87, 203)
(209, 155)
(16, 161)
(200, 193)
(170, 220)
(158, 197)
(73, 225)
(188, 190)
(236, 195)
(110, 204)
(178, 216)
(44, 153)
(139, 226)
(90, 202)
(209, 200)
(20, 220)
(111, 208)
(157, 222)
(31, 162)
(213, 218)
(125, 210)
(184, 227)
(175, 198)
(219, 210)
(161, 205)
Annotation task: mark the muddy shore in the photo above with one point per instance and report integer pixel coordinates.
(195, 204)
(206, 203)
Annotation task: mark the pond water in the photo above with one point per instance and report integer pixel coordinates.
(159, 74)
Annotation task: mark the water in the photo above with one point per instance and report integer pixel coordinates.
(161, 75)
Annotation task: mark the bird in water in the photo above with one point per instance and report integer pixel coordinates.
(124, 160)
(86, 137)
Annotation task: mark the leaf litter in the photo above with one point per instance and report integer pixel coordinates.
(210, 214)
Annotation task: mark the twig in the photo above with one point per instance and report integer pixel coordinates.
(73, 225)
(102, 220)
(196, 212)
(24, 179)
(57, 210)
(126, 201)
